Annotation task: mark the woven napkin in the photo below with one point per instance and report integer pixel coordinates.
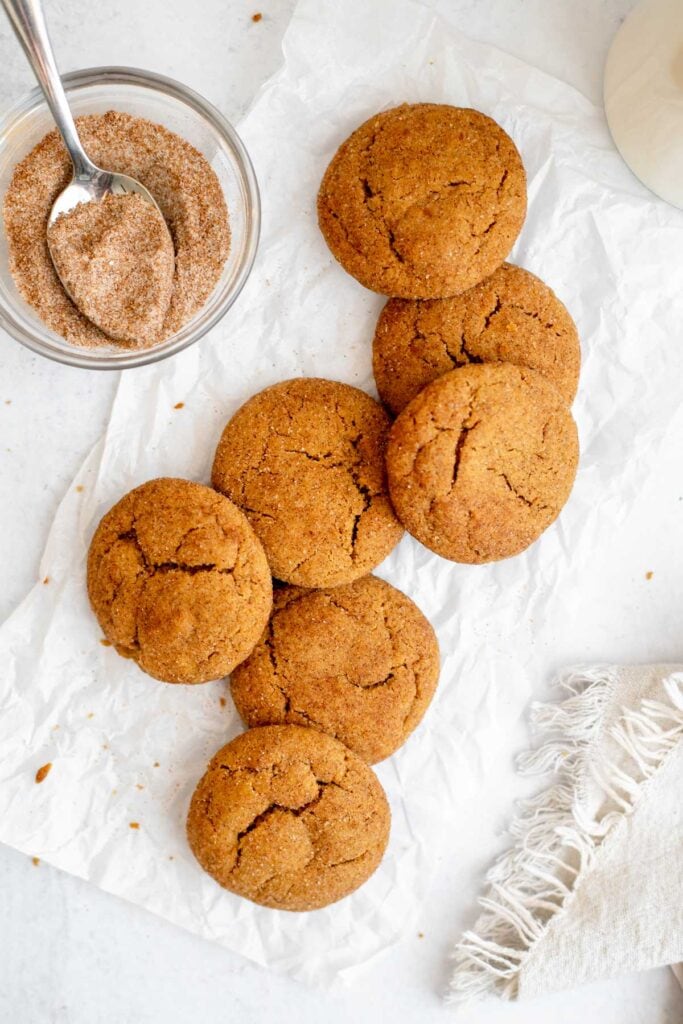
(593, 886)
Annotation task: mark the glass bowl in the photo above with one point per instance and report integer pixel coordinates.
(179, 109)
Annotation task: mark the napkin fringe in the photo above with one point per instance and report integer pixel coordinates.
(557, 837)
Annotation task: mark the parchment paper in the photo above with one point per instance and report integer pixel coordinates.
(125, 748)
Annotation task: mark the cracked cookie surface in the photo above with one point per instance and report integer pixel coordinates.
(511, 317)
(360, 662)
(482, 461)
(304, 460)
(423, 201)
(289, 818)
(179, 581)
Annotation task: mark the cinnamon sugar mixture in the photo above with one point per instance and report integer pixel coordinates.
(116, 260)
(189, 196)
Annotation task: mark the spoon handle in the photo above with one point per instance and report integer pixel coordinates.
(28, 22)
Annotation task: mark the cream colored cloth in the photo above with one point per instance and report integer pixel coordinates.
(593, 887)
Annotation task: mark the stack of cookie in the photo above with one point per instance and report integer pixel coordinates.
(477, 359)
(330, 676)
(313, 484)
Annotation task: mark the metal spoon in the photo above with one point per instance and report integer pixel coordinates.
(89, 182)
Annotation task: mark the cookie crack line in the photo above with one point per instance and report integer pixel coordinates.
(297, 565)
(470, 527)
(429, 196)
(390, 677)
(388, 230)
(425, 444)
(481, 236)
(456, 359)
(530, 503)
(348, 860)
(367, 494)
(311, 458)
(272, 808)
(376, 216)
(496, 309)
(459, 446)
(471, 358)
(256, 512)
(344, 230)
(535, 315)
(161, 567)
(191, 570)
(269, 641)
(531, 314)
(314, 723)
(391, 239)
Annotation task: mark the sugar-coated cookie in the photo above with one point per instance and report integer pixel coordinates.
(482, 461)
(179, 581)
(304, 460)
(288, 817)
(423, 200)
(360, 662)
(511, 317)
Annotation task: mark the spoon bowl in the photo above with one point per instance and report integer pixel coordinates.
(94, 188)
(103, 289)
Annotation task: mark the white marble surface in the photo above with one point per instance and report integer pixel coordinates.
(70, 954)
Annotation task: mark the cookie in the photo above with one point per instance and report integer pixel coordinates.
(511, 317)
(359, 662)
(423, 201)
(179, 581)
(482, 461)
(289, 818)
(304, 459)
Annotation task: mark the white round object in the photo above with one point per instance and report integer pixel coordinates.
(644, 95)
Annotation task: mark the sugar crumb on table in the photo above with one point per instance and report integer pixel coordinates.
(134, 824)
(649, 575)
(43, 772)
(35, 861)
